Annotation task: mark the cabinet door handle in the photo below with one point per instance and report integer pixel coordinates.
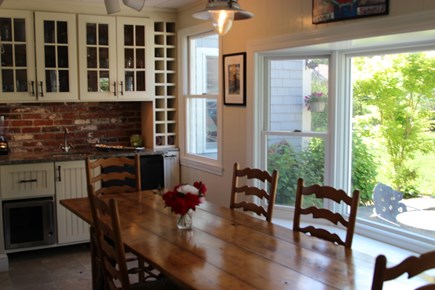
(122, 87)
(41, 84)
(114, 89)
(32, 84)
(59, 177)
(28, 180)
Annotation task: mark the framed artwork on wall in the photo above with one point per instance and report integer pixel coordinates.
(234, 67)
(337, 10)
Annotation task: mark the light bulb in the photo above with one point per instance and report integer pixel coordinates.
(222, 20)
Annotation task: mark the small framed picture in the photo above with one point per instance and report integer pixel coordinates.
(234, 79)
(336, 10)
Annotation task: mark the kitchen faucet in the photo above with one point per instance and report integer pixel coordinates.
(66, 147)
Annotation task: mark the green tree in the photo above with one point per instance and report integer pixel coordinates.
(399, 87)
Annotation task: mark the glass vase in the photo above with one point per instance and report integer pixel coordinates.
(184, 222)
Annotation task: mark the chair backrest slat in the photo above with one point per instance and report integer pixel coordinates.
(114, 174)
(413, 265)
(326, 192)
(241, 191)
(106, 224)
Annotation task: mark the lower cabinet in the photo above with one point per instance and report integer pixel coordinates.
(70, 183)
(24, 182)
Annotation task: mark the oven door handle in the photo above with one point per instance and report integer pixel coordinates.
(28, 180)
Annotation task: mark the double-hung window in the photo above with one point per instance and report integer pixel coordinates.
(201, 114)
(354, 118)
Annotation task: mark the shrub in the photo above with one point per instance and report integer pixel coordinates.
(309, 164)
(281, 156)
(364, 170)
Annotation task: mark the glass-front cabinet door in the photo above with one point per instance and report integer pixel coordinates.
(97, 58)
(56, 56)
(17, 68)
(135, 62)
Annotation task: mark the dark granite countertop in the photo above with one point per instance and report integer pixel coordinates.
(38, 157)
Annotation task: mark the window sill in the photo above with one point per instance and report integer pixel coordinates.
(366, 245)
(210, 167)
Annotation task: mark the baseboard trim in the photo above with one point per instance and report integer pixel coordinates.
(4, 263)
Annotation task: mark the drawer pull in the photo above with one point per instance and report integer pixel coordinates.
(28, 180)
(32, 84)
(41, 84)
(59, 172)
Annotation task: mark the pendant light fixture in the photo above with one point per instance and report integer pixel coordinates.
(222, 13)
(112, 6)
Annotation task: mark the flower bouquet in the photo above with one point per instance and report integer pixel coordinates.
(183, 198)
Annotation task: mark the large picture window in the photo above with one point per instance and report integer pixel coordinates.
(354, 119)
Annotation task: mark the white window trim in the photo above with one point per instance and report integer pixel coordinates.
(209, 165)
(340, 42)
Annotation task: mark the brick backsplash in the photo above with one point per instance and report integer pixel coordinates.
(40, 127)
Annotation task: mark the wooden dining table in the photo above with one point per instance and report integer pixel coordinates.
(228, 249)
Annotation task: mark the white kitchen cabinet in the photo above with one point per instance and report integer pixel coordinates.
(17, 74)
(171, 168)
(70, 183)
(115, 57)
(55, 76)
(56, 56)
(135, 58)
(97, 58)
(20, 181)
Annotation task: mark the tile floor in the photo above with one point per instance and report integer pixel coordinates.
(61, 268)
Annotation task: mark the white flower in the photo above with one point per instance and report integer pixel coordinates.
(188, 188)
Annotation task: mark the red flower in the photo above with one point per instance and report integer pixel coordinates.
(181, 202)
(201, 187)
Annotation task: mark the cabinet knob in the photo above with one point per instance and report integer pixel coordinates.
(114, 89)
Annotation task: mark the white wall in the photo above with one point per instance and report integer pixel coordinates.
(272, 18)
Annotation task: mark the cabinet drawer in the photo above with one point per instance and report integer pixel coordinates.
(27, 180)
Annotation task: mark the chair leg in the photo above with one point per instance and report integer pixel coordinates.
(97, 269)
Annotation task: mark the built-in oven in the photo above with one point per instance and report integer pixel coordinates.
(29, 222)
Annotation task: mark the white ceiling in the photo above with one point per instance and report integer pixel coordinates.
(174, 4)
